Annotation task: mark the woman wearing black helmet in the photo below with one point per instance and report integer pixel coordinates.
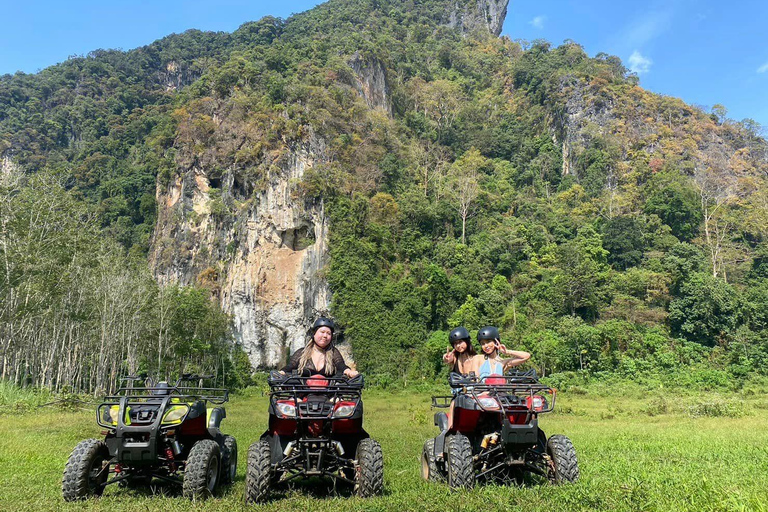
(459, 355)
(319, 356)
(490, 362)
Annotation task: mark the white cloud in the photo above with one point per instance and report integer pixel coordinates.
(538, 22)
(638, 63)
(646, 28)
(763, 68)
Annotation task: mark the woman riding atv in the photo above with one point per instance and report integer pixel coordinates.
(319, 356)
(490, 362)
(459, 355)
(487, 363)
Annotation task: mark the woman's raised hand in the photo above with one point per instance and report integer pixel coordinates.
(449, 357)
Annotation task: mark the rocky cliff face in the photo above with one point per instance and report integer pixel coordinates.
(260, 247)
(6, 166)
(174, 76)
(581, 110)
(473, 15)
(371, 81)
(265, 258)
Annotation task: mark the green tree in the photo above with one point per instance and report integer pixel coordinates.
(707, 310)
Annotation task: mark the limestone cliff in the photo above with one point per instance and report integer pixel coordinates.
(265, 258)
(473, 15)
(371, 81)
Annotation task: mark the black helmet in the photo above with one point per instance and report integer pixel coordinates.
(488, 333)
(323, 322)
(459, 333)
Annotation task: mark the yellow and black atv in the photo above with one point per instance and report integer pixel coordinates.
(158, 431)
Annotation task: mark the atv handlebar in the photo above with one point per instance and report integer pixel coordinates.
(315, 383)
(458, 380)
(511, 391)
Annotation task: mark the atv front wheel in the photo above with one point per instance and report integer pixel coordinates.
(369, 471)
(564, 466)
(87, 470)
(229, 460)
(429, 469)
(257, 476)
(202, 472)
(461, 474)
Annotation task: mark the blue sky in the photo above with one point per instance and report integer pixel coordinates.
(705, 52)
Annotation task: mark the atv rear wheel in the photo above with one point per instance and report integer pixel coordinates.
(86, 471)
(564, 466)
(461, 474)
(369, 470)
(257, 476)
(429, 468)
(202, 471)
(229, 460)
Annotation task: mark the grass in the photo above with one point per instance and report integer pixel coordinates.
(652, 451)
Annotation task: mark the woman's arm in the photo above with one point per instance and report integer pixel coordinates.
(518, 357)
(340, 365)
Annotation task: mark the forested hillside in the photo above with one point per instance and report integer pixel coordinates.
(469, 179)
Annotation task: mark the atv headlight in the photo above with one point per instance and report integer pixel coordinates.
(488, 403)
(175, 414)
(344, 409)
(286, 408)
(109, 414)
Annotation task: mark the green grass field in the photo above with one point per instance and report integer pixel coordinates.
(647, 452)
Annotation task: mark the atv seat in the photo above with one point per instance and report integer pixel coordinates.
(495, 380)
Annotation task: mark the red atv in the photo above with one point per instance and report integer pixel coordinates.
(495, 434)
(315, 429)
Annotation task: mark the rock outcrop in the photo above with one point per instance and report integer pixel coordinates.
(581, 110)
(265, 257)
(371, 81)
(175, 76)
(478, 15)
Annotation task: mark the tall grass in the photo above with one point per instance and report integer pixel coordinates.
(15, 399)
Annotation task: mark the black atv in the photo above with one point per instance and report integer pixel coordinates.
(315, 429)
(495, 434)
(158, 431)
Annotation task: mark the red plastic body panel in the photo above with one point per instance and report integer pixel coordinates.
(282, 427)
(518, 418)
(193, 427)
(465, 420)
(347, 426)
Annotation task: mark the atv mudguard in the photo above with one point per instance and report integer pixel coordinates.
(441, 421)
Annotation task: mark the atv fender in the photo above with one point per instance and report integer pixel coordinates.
(441, 421)
(216, 415)
(275, 446)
